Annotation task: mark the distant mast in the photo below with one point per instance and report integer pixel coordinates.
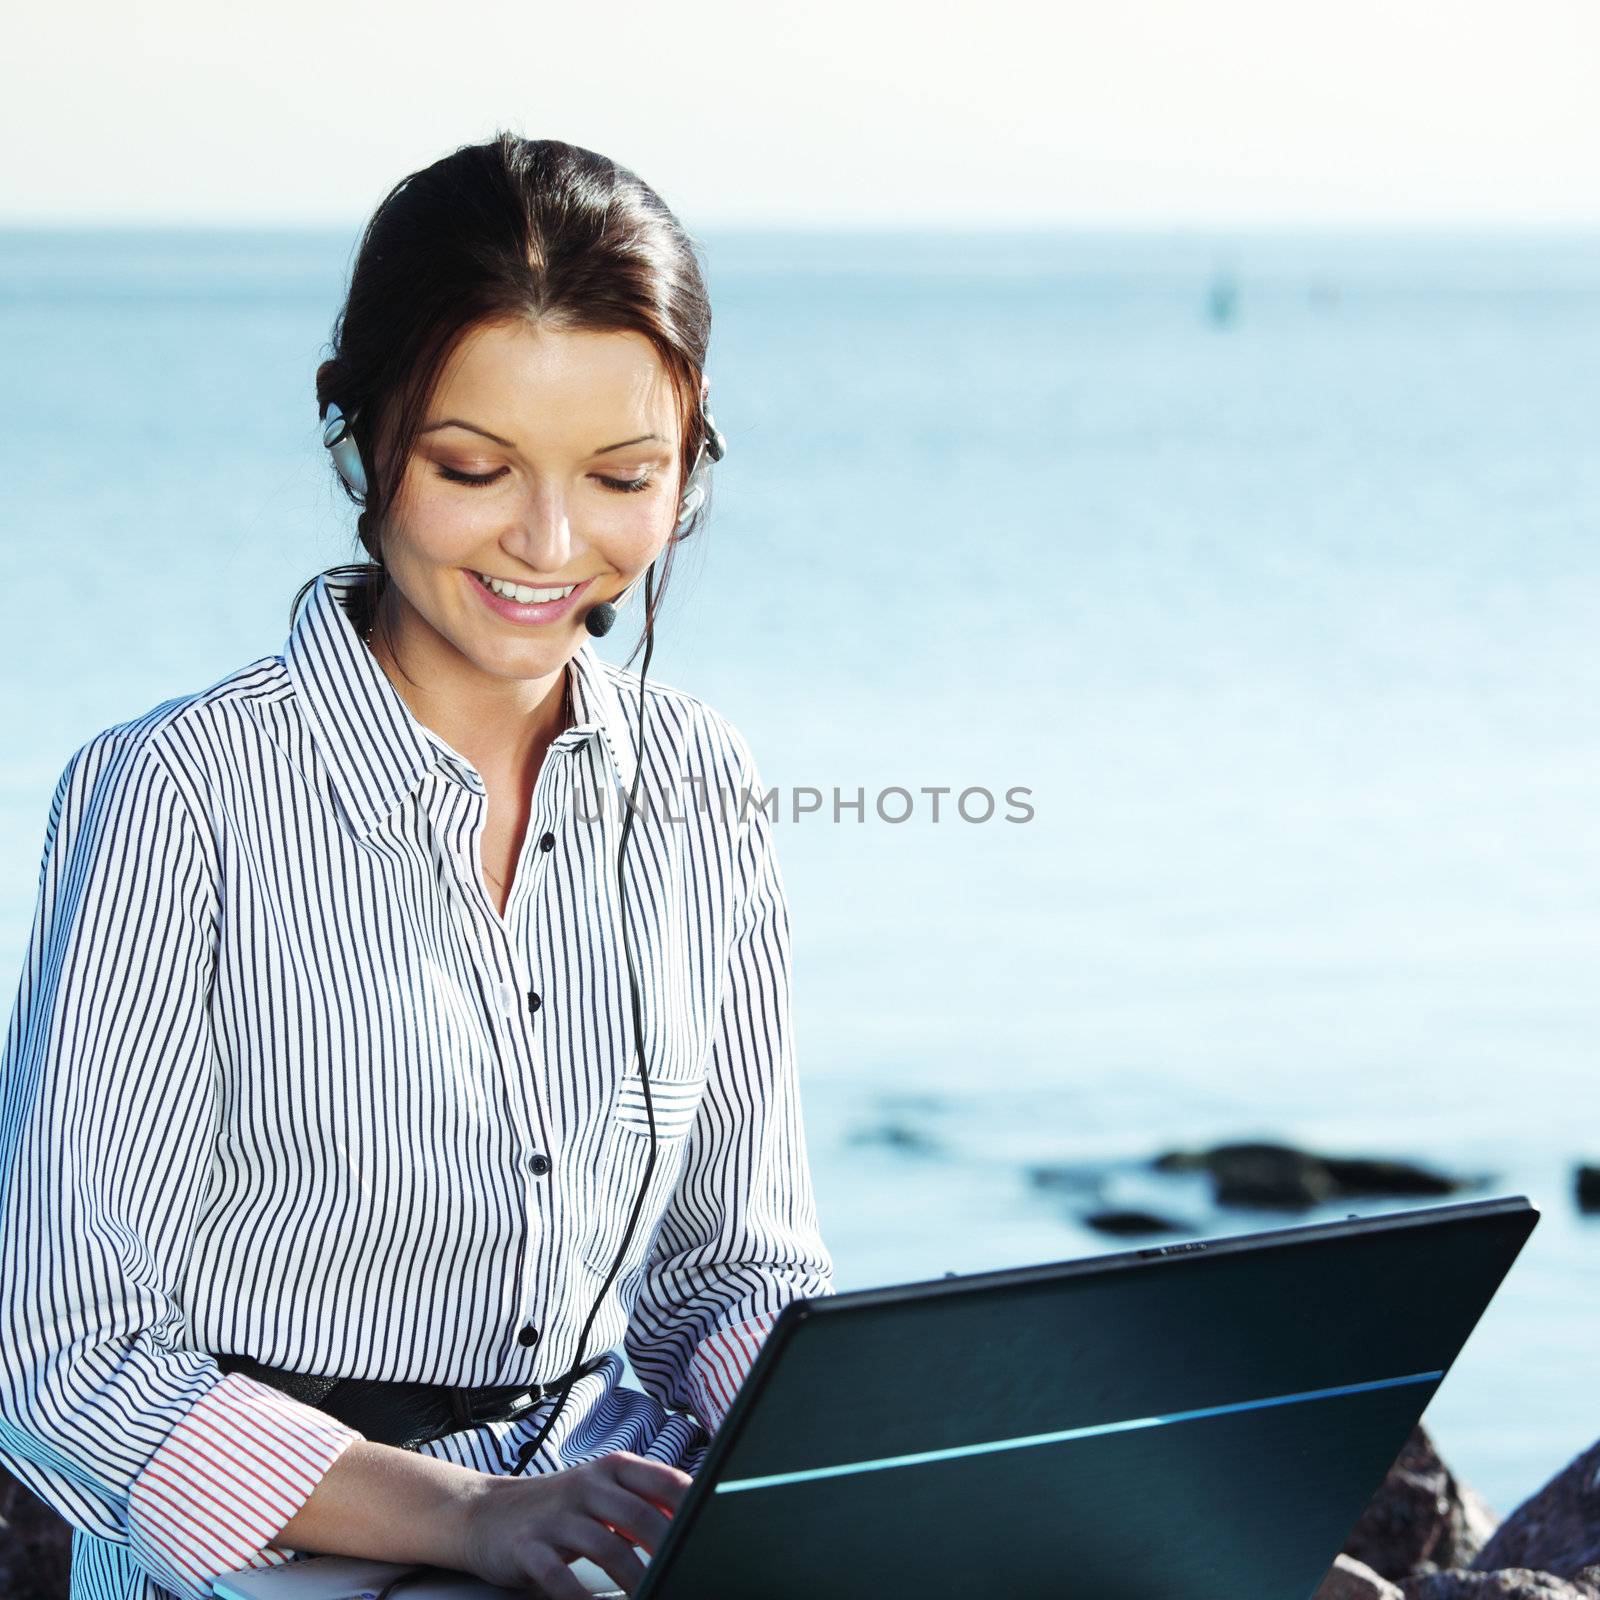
(1223, 300)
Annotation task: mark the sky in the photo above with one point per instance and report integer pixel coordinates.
(837, 113)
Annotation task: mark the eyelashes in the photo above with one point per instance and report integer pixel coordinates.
(480, 480)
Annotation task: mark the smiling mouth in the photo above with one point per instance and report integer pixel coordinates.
(523, 594)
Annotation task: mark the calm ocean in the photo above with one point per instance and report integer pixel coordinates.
(1268, 565)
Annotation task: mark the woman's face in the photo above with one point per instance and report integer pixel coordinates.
(547, 459)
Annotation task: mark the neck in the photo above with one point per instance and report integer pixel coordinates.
(503, 726)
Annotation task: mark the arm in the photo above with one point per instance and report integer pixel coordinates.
(107, 1101)
(739, 1239)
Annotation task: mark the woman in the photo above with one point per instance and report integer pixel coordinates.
(375, 1070)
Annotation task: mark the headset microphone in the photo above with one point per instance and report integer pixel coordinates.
(601, 617)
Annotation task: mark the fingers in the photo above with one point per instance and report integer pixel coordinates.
(554, 1578)
(652, 1480)
(602, 1509)
(628, 1513)
(612, 1552)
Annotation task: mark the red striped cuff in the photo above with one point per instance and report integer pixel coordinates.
(239, 1464)
(720, 1363)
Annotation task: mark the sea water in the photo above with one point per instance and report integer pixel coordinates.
(1261, 570)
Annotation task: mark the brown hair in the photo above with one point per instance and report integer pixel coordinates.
(510, 228)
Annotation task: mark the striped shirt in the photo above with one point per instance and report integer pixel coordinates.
(281, 1080)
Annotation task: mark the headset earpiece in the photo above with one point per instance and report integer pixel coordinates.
(341, 445)
(713, 445)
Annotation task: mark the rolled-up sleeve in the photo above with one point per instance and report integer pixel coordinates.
(107, 1107)
(739, 1239)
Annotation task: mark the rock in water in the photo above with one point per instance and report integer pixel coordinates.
(1280, 1176)
(1420, 1518)
(1360, 1176)
(35, 1545)
(1511, 1583)
(1068, 1177)
(1132, 1221)
(1269, 1176)
(897, 1136)
(1349, 1579)
(1555, 1530)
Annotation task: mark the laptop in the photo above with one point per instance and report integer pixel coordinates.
(1194, 1421)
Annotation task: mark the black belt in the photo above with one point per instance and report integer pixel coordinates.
(407, 1415)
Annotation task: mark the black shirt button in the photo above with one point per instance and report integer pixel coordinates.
(548, 842)
(528, 1335)
(540, 1164)
(534, 1002)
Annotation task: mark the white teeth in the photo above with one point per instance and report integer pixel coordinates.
(522, 594)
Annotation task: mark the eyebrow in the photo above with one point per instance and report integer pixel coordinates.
(472, 427)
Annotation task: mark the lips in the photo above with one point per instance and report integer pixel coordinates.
(536, 611)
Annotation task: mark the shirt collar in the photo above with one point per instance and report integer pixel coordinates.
(375, 749)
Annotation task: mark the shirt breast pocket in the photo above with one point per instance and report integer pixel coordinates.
(625, 1153)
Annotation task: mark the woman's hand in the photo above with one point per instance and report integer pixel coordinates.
(524, 1531)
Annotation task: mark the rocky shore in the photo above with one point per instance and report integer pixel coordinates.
(1259, 1176)
(1426, 1536)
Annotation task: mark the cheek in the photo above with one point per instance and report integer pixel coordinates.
(630, 533)
(440, 519)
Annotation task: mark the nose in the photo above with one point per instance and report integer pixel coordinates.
(539, 531)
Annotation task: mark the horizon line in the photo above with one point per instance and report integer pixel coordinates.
(853, 226)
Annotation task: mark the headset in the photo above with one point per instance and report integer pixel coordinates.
(342, 447)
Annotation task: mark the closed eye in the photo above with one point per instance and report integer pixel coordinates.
(479, 480)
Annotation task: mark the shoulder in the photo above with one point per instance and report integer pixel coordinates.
(173, 744)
